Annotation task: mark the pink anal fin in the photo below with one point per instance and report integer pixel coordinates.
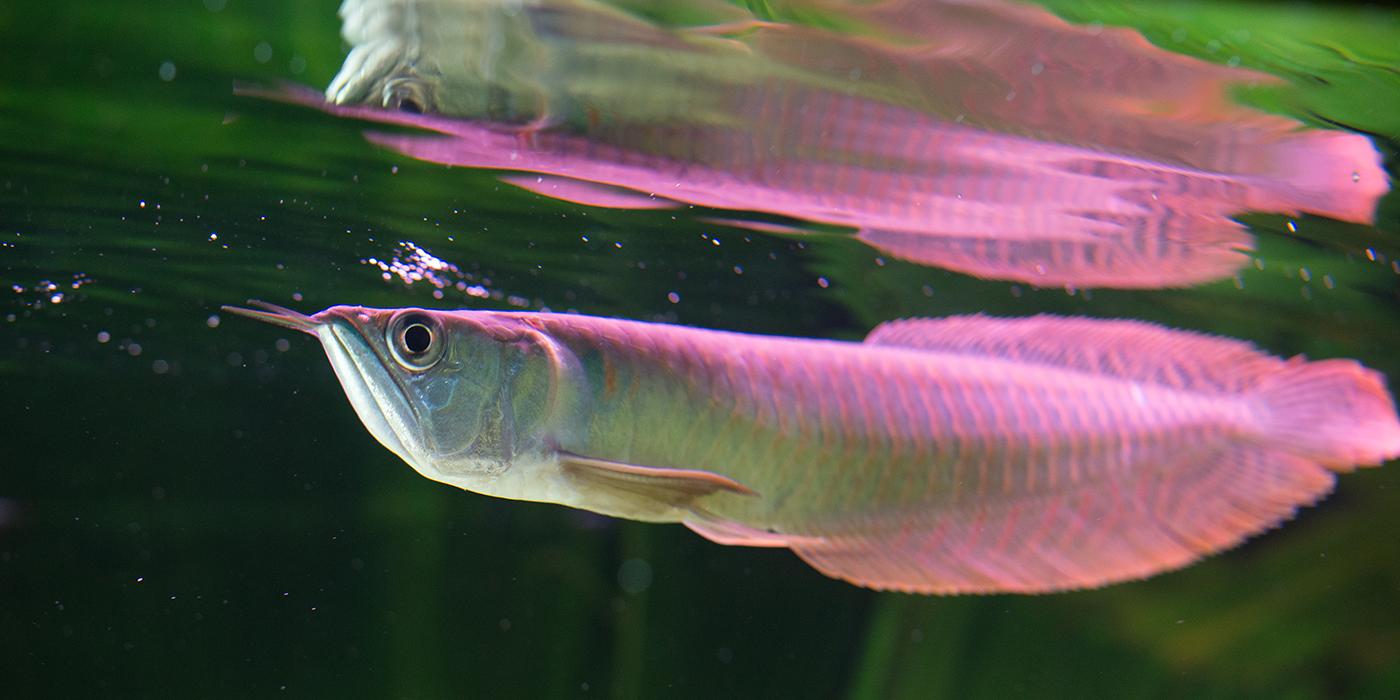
(734, 534)
(673, 487)
(1197, 250)
(1131, 350)
(1097, 534)
(589, 194)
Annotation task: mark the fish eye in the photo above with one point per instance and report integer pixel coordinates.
(416, 341)
(406, 95)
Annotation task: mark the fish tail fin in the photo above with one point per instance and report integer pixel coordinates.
(1336, 412)
(1332, 173)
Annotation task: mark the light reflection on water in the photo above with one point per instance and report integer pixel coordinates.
(992, 139)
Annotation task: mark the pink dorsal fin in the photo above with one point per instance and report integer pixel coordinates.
(1131, 350)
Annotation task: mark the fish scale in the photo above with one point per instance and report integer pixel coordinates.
(973, 408)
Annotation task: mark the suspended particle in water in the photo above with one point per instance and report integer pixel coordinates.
(823, 283)
(673, 297)
(212, 321)
(103, 336)
(634, 576)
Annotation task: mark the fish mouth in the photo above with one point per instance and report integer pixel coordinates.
(378, 397)
(277, 316)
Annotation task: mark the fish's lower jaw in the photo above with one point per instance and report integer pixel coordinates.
(519, 480)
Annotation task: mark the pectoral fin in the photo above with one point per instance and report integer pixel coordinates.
(675, 487)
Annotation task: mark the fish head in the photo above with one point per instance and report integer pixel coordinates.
(447, 392)
(459, 59)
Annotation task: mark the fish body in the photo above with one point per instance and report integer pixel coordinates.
(968, 454)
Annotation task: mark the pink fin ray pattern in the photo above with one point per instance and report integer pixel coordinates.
(1081, 541)
(1132, 350)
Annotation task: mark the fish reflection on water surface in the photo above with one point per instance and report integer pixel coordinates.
(966, 454)
(990, 138)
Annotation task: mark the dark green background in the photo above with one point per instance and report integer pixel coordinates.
(228, 529)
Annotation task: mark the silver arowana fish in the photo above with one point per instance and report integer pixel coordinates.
(958, 455)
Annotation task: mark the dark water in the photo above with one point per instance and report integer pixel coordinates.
(189, 507)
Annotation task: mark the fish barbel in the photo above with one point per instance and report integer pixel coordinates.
(957, 455)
